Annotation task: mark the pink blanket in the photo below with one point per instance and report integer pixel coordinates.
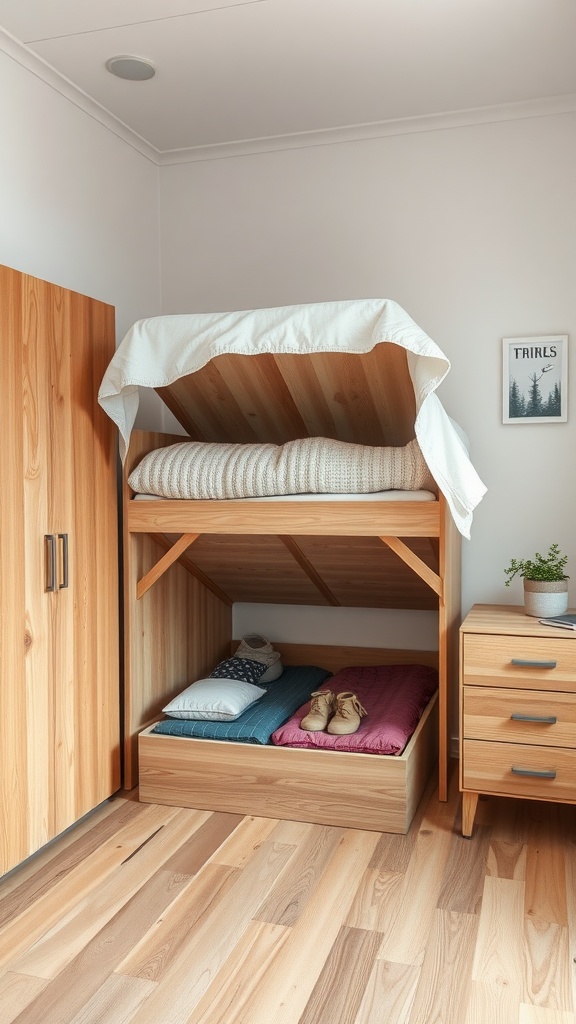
(394, 697)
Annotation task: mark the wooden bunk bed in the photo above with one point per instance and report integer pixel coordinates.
(187, 562)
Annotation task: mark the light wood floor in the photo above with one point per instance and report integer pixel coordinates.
(156, 915)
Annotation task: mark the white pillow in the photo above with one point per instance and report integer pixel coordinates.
(213, 700)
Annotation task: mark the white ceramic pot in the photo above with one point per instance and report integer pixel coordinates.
(543, 598)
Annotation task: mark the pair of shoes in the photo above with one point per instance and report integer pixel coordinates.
(339, 714)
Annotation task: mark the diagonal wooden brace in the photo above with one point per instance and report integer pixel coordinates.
(309, 569)
(424, 571)
(171, 556)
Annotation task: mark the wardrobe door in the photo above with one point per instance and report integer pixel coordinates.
(59, 661)
(90, 718)
(82, 503)
(55, 341)
(26, 607)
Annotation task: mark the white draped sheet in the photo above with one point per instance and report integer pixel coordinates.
(159, 350)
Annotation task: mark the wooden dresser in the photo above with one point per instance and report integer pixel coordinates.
(517, 708)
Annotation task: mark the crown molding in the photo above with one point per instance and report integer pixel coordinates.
(565, 104)
(20, 53)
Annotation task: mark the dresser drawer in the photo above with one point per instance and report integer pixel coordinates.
(488, 768)
(517, 716)
(520, 662)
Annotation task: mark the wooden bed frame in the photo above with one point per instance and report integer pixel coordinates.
(367, 791)
(187, 563)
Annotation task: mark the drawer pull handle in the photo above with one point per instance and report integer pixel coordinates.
(551, 774)
(545, 719)
(527, 663)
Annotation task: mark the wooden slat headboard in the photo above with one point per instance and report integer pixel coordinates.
(335, 658)
(365, 399)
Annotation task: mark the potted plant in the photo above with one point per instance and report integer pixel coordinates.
(545, 582)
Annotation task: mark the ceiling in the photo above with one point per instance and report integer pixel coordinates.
(228, 71)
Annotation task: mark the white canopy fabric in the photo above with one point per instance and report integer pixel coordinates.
(159, 350)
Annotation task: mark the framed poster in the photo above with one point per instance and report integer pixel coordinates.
(535, 379)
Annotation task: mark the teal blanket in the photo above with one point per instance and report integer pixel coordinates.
(256, 725)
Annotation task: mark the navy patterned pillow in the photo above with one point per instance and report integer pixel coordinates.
(245, 670)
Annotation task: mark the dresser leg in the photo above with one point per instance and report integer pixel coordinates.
(469, 804)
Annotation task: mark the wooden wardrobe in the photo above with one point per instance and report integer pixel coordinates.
(59, 647)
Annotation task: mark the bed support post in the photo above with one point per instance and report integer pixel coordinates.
(449, 609)
(446, 584)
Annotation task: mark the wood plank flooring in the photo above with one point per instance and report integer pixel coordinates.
(156, 915)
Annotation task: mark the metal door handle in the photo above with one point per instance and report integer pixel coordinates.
(50, 542)
(64, 538)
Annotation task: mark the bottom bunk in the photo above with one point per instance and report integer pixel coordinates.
(254, 774)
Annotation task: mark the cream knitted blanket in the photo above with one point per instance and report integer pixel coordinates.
(314, 465)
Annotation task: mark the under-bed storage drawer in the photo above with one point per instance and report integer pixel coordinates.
(365, 791)
(521, 770)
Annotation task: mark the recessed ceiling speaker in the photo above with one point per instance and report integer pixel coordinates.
(134, 69)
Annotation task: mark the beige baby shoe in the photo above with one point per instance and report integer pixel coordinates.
(347, 714)
(321, 709)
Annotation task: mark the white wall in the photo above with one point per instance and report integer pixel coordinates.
(78, 205)
(356, 627)
(471, 229)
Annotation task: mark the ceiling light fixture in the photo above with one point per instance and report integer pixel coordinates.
(134, 69)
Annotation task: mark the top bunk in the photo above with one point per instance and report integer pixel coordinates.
(149, 501)
(355, 373)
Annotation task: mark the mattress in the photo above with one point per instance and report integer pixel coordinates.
(371, 496)
(307, 465)
(394, 697)
(258, 722)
